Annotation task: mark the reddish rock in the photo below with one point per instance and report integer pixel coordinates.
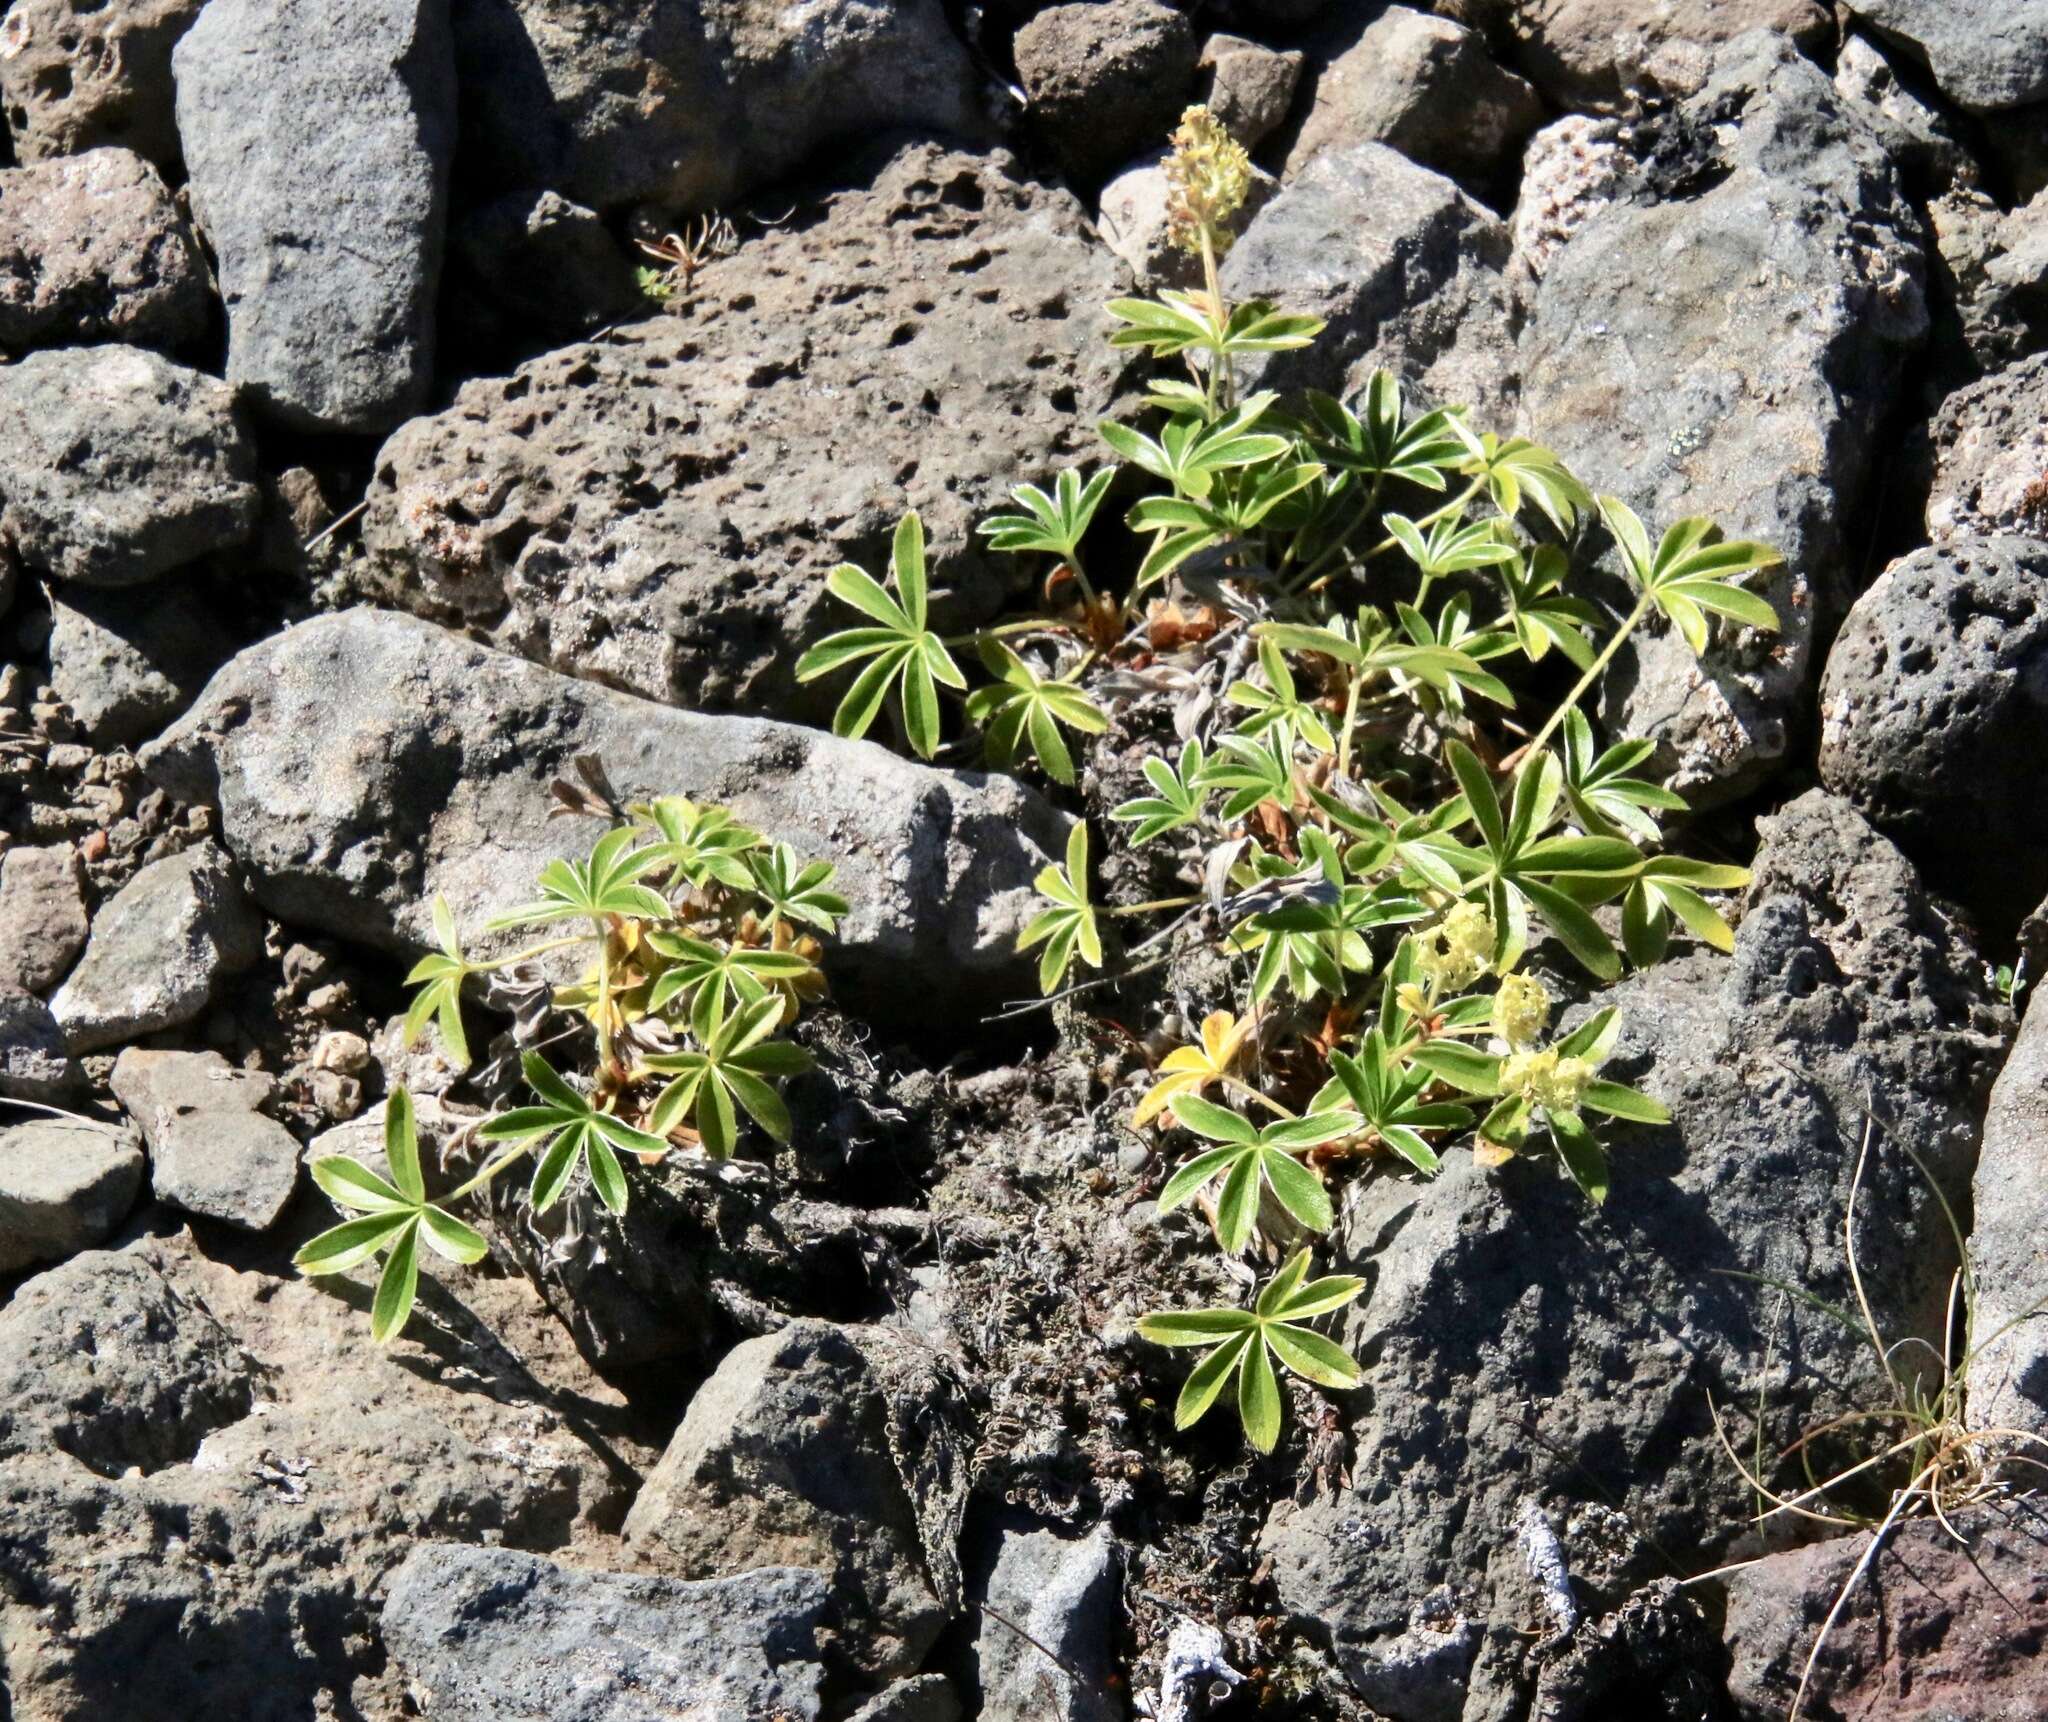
(1933, 1631)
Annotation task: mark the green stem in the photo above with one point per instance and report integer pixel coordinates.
(1350, 717)
(1033, 624)
(490, 1170)
(1153, 907)
(539, 950)
(1592, 675)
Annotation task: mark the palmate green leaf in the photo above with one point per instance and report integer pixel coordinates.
(1669, 887)
(712, 976)
(1249, 1158)
(1450, 546)
(1582, 1154)
(1069, 927)
(562, 1128)
(605, 883)
(1540, 614)
(1518, 471)
(1251, 770)
(1246, 1344)
(901, 651)
(1171, 324)
(701, 844)
(1688, 574)
(1023, 705)
(732, 1072)
(1278, 702)
(1053, 525)
(439, 976)
(1375, 443)
(1177, 800)
(392, 1215)
(796, 890)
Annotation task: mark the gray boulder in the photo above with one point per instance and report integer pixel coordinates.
(922, 1698)
(35, 1062)
(364, 763)
(783, 1460)
(211, 1151)
(1405, 268)
(1994, 264)
(490, 1635)
(689, 108)
(73, 78)
(245, 1578)
(42, 915)
(1730, 352)
(1428, 88)
(1938, 1628)
(105, 1359)
(658, 510)
(117, 466)
(1066, 1594)
(1920, 135)
(1933, 707)
(546, 266)
(1250, 87)
(1105, 79)
(1989, 443)
(65, 1184)
(2008, 1374)
(93, 249)
(160, 949)
(1521, 1348)
(318, 134)
(126, 663)
(1595, 53)
(1986, 55)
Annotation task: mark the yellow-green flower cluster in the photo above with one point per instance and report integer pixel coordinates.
(1521, 1009)
(1545, 1079)
(1210, 177)
(1459, 950)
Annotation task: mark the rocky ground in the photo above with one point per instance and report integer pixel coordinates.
(361, 468)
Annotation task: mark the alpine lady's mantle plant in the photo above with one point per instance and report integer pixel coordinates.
(1348, 604)
(702, 946)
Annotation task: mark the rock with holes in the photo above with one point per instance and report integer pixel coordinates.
(690, 108)
(104, 1358)
(490, 1635)
(1989, 443)
(1524, 1352)
(1986, 55)
(117, 466)
(1046, 1642)
(438, 785)
(1725, 343)
(1405, 268)
(658, 510)
(1428, 88)
(1105, 79)
(212, 1151)
(1995, 264)
(319, 134)
(43, 921)
(65, 1184)
(93, 249)
(783, 1460)
(74, 77)
(1932, 709)
(1595, 53)
(1937, 1629)
(161, 948)
(2008, 1365)
(222, 1471)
